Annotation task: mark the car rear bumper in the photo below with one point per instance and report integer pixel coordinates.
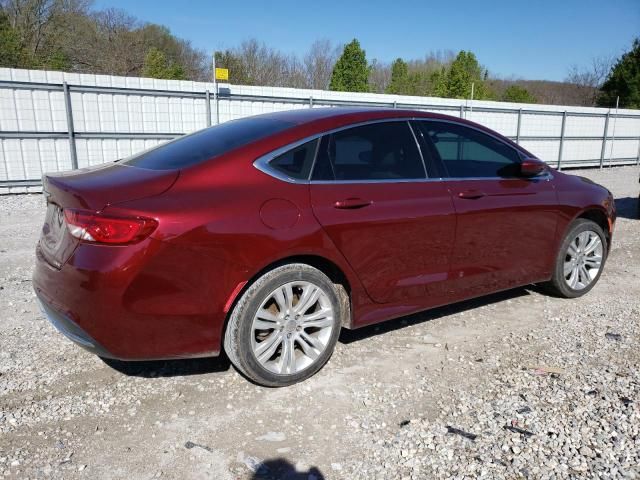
(72, 331)
(148, 301)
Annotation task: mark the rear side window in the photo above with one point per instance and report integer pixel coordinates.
(469, 153)
(297, 162)
(380, 151)
(206, 144)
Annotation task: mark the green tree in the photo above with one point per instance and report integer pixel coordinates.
(399, 78)
(156, 65)
(439, 86)
(351, 72)
(518, 94)
(465, 71)
(56, 61)
(623, 81)
(11, 52)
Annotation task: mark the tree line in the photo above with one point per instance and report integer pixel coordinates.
(69, 35)
(460, 75)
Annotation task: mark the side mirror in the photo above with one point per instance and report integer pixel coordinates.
(532, 167)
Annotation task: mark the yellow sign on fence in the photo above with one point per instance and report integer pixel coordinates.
(222, 74)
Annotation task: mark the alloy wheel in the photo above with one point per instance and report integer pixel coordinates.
(292, 327)
(583, 260)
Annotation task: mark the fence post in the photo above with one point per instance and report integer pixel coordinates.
(208, 100)
(461, 111)
(518, 129)
(216, 98)
(310, 101)
(604, 139)
(564, 124)
(70, 131)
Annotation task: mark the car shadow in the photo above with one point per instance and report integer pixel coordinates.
(170, 368)
(349, 336)
(282, 469)
(628, 207)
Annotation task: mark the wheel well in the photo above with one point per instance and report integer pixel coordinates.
(330, 269)
(327, 267)
(600, 218)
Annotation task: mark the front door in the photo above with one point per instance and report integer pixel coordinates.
(505, 223)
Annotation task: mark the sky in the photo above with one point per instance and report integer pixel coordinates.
(535, 39)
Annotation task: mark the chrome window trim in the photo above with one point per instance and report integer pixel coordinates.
(472, 128)
(546, 177)
(262, 162)
(415, 139)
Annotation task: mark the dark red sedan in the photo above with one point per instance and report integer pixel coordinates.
(267, 235)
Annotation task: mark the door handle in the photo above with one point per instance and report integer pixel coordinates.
(352, 203)
(471, 194)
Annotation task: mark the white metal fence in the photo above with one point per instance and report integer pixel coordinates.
(58, 121)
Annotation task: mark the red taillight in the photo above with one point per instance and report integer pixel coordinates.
(100, 228)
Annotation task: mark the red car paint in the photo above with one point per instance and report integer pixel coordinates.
(400, 247)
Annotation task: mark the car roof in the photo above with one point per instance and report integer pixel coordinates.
(308, 115)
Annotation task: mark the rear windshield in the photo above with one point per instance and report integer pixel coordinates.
(205, 144)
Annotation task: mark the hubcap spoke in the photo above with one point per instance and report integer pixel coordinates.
(320, 323)
(582, 240)
(268, 346)
(268, 316)
(307, 348)
(317, 315)
(309, 297)
(284, 298)
(573, 278)
(313, 342)
(586, 278)
(593, 262)
(594, 242)
(264, 325)
(568, 268)
(286, 339)
(288, 360)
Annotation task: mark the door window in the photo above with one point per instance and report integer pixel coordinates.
(379, 151)
(469, 153)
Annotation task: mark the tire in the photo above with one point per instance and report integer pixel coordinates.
(310, 332)
(573, 250)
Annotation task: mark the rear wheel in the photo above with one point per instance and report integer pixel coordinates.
(580, 260)
(285, 326)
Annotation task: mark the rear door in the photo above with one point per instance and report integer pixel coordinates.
(370, 193)
(505, 223)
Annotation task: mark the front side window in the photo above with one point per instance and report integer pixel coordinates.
(469, 153)
(379, 151)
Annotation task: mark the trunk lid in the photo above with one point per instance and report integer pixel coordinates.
(92, 189)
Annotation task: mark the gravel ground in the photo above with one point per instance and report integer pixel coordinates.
(515, 385)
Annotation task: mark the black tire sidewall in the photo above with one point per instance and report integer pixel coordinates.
(245, 356)
(580, 225)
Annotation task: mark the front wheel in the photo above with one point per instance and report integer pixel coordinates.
(580, 260)
(285, 326)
